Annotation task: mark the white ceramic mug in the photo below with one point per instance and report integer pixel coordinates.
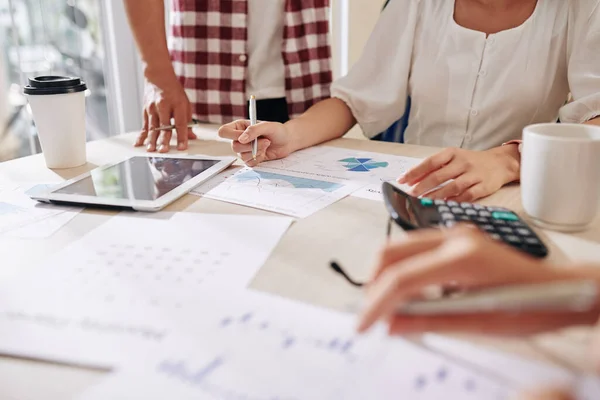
(560, 175)
(58, 107)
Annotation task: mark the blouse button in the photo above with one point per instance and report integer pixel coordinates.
(491, 40)
(243, 58)
(482, 73)
(474, 113)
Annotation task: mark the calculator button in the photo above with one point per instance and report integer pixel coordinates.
(463, 218)
(485, 214)
(482, 220)
(447, 217)
(505, 229)
(504, 215)
(452, 204)
(488, 228)
(499, 209)
(500, 222)
(478, 207)
(532, 241)
(513, 239)
(523, 232)
(495, 236)
(471, 212)
(425, 202)
(443, 209)
(516, 224)
(450, 223)
(457, 210)
(439, 202)
(466, 205)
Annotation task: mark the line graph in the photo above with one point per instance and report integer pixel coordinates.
(281, 192)
(260, 178)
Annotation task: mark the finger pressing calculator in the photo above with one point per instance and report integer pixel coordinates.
(500, 223)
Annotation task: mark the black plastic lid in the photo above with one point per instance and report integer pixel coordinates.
(42, 85)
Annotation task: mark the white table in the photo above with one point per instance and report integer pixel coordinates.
(351, 230)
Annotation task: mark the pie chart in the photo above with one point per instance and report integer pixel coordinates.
(362, 164)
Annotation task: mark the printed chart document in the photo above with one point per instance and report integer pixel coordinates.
(109, 290)
(509, 368)
(290, 193)
(332, 162)
(322, 167)
(262, 347)
(22, 217)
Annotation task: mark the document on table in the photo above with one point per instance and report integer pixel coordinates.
(262, 347)
(22, 217)
(510, 368)
(109, 290)
(289, 193)
(308, 180)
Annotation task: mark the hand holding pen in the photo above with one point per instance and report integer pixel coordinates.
(549, 296)
(256, 142)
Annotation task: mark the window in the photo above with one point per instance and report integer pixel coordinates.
(66, 37)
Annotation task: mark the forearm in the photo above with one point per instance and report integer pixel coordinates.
(147, 21)
(326, 120)
(511, 160)
(588, 272)
(594, 121)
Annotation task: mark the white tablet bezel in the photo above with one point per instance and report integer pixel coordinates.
(139, 205)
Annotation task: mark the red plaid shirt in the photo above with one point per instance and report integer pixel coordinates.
(209, 54)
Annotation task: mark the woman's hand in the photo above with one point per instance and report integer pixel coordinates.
(474, 174)
(160, 105)
(469, 259)
(273, 140)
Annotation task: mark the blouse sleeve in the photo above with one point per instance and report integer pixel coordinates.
(583, 62)
(376, 88)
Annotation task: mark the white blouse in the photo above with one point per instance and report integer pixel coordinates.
(472, 91)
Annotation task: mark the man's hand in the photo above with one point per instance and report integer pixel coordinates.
(160, 105)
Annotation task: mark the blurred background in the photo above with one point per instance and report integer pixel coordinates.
(91, 39)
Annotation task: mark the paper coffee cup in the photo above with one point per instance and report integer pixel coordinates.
(58, 107)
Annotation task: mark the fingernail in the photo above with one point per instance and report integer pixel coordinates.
(243, 138)
(402, 179)
(163, 148)
(181, 146)
(150, 147)
(361, 328)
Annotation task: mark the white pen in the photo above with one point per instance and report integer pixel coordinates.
(252, 113)
(572, 296)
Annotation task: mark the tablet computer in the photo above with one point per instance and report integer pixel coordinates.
(142, 183)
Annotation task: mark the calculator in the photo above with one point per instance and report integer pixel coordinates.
(500, 223)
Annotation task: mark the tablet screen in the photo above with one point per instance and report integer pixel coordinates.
(138, 178)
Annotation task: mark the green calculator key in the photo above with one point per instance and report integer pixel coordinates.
(426, 202)
(506, 216)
